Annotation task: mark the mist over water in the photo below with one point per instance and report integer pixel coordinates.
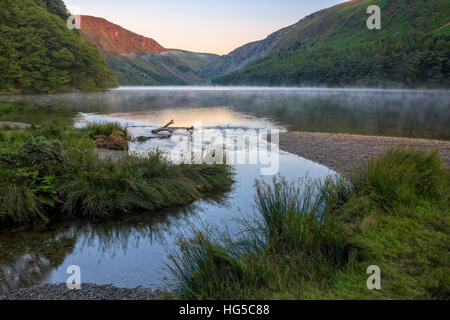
(402, 113)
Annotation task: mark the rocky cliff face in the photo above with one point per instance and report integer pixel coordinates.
(115, 40)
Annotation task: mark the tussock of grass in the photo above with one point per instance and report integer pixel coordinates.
(402, 176)
(20, 203)
(315, 240)
(106, 129)
(205, 268)
(106, 186)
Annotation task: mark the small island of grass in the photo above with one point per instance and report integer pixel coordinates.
(51, 169)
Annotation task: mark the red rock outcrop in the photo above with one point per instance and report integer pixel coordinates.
(115, 40)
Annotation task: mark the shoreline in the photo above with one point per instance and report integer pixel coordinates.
(88, 291)
(345, 152)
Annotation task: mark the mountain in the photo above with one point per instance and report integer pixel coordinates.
(39, 53)
(345, 24)
(139, 60)
(242, 56)
(113, 40)
(334, 47)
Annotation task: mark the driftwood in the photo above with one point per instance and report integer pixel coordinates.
(171, 129)
(166, 128)
(169, 124)
(165, 136)
(143, 139)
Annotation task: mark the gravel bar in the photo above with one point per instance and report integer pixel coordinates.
(87, 292)
(344, 152)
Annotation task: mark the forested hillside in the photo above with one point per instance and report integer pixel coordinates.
(413, 60)
(54, 6)
(39, 53)
(333, 47)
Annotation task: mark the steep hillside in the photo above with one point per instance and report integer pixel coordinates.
(243, 55)
(334, 47)
(138, 60)
(170, 67)
(38, 53)
(114, 40)
(345, 24)
(57, 7)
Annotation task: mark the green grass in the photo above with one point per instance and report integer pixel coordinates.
(106, 129)
(333, 47)
(106, 186)
(51, 170)
(316, 239)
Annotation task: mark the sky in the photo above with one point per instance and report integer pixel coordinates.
(212, 26)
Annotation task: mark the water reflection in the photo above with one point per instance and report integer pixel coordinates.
(28, 257)
(130, 251)
(404, 113)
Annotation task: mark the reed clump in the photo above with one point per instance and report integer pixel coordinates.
(316, 239)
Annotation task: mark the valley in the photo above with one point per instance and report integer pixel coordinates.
(331, 47)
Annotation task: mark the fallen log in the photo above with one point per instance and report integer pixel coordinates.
(171, 129)
(165, 128)
(169, 124)
(143, 139)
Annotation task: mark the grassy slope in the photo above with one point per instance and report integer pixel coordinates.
(393, 213)
(346, 23)
(166, 68)
(343, 28)
(51, 170)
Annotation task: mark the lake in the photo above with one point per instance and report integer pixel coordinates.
(132, 251)
(402, 113)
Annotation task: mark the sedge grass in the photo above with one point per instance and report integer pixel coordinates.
(315, 239)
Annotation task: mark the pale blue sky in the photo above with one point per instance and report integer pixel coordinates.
(215, 26)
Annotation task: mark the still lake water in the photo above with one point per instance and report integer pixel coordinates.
(403, 113)
(132, 251)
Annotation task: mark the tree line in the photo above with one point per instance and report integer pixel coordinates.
(39, 53)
